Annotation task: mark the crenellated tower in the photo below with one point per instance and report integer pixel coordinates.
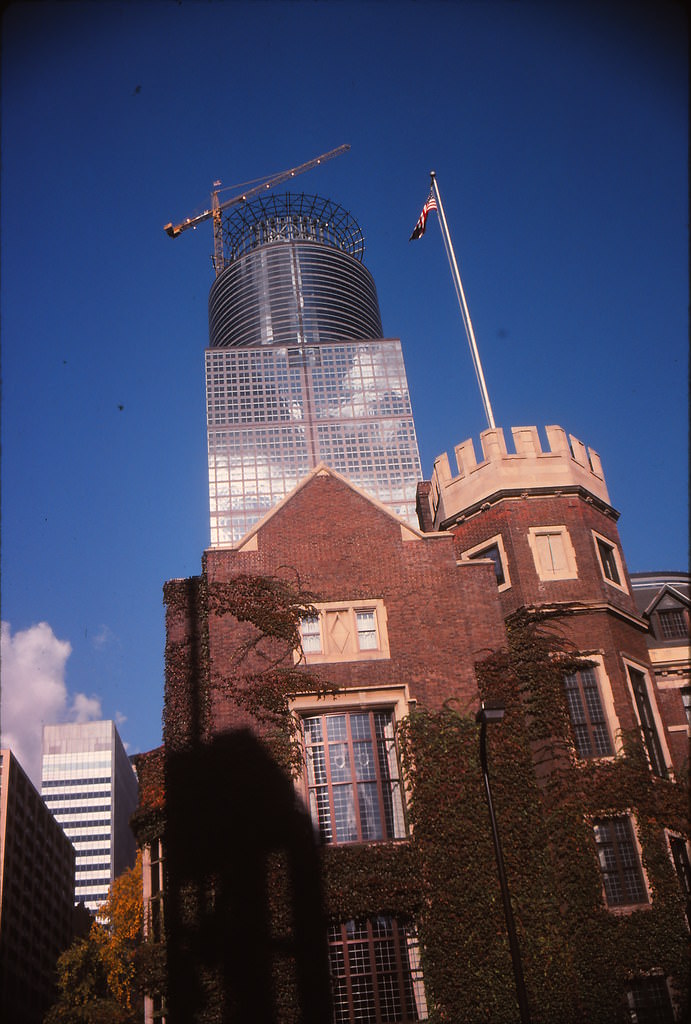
(543, 516)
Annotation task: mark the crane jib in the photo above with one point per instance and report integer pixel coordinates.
(174, 230)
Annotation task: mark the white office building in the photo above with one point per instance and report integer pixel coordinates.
(90, 787)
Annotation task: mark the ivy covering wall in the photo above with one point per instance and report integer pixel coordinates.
(577, 954)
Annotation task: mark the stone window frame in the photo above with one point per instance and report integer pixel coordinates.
(570, 572)
(153, 884)
(685, 692)
(662, 615)
(311, 634)
(600, 539)
(394, 698)
(623, 907)
(608, 707)
(475, 552)
(653, 979)
(327, 612)
(352, 778)
(681, 861)
(358, 970)
(656, 728)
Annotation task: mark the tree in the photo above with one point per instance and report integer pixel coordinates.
(118, 930)
(84, 996)
(96, 975)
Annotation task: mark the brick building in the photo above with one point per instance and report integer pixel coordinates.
(663, 600)
(323, 825)
(544, 517)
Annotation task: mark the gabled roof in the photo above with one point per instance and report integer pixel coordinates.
(408, 532)
(670, 592)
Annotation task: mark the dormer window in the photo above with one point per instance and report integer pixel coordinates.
(673, 624)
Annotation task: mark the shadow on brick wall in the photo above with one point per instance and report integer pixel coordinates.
(244, 920)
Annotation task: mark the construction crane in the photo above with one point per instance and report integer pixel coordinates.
(217, 207)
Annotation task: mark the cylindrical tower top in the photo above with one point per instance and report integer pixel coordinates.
(294, 276)
(286, 218)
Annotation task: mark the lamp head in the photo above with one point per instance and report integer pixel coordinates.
(490, 711)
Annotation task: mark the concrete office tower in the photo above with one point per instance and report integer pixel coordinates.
(298, 372)
(88, 783)
(36, 897)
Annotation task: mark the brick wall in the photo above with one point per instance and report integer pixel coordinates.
(513, 518)
(609, 623)
(441, 617)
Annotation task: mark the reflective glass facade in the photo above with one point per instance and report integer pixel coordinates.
(297, 372)
(88, 784)
(273, 413)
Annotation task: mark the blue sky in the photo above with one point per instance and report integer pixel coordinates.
(559, 136)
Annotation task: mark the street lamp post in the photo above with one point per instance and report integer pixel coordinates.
(493, 711)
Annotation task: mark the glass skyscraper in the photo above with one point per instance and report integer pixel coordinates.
(89, 785)
(297, 371)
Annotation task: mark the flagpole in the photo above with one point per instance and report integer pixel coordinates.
(465, 315)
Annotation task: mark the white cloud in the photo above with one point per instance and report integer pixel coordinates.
(104, 637)
(34, 692)
(85, 709)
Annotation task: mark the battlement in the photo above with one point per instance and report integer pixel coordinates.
(567, 464)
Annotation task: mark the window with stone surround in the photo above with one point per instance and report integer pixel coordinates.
(310, 632)
(375, 971)
(355, 631)
(553, 553)
(589, 725)
(648, 1000)
(648, 718)
(153, 879)
(609, 560)
(492, 548)
(352, 776)
(686, 701)
(680, 853)
(620, 862)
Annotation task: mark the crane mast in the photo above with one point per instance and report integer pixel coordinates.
(216, 210)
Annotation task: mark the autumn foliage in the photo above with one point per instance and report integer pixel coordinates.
(97, 975)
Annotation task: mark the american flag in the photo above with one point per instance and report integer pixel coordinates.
(419, 229)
